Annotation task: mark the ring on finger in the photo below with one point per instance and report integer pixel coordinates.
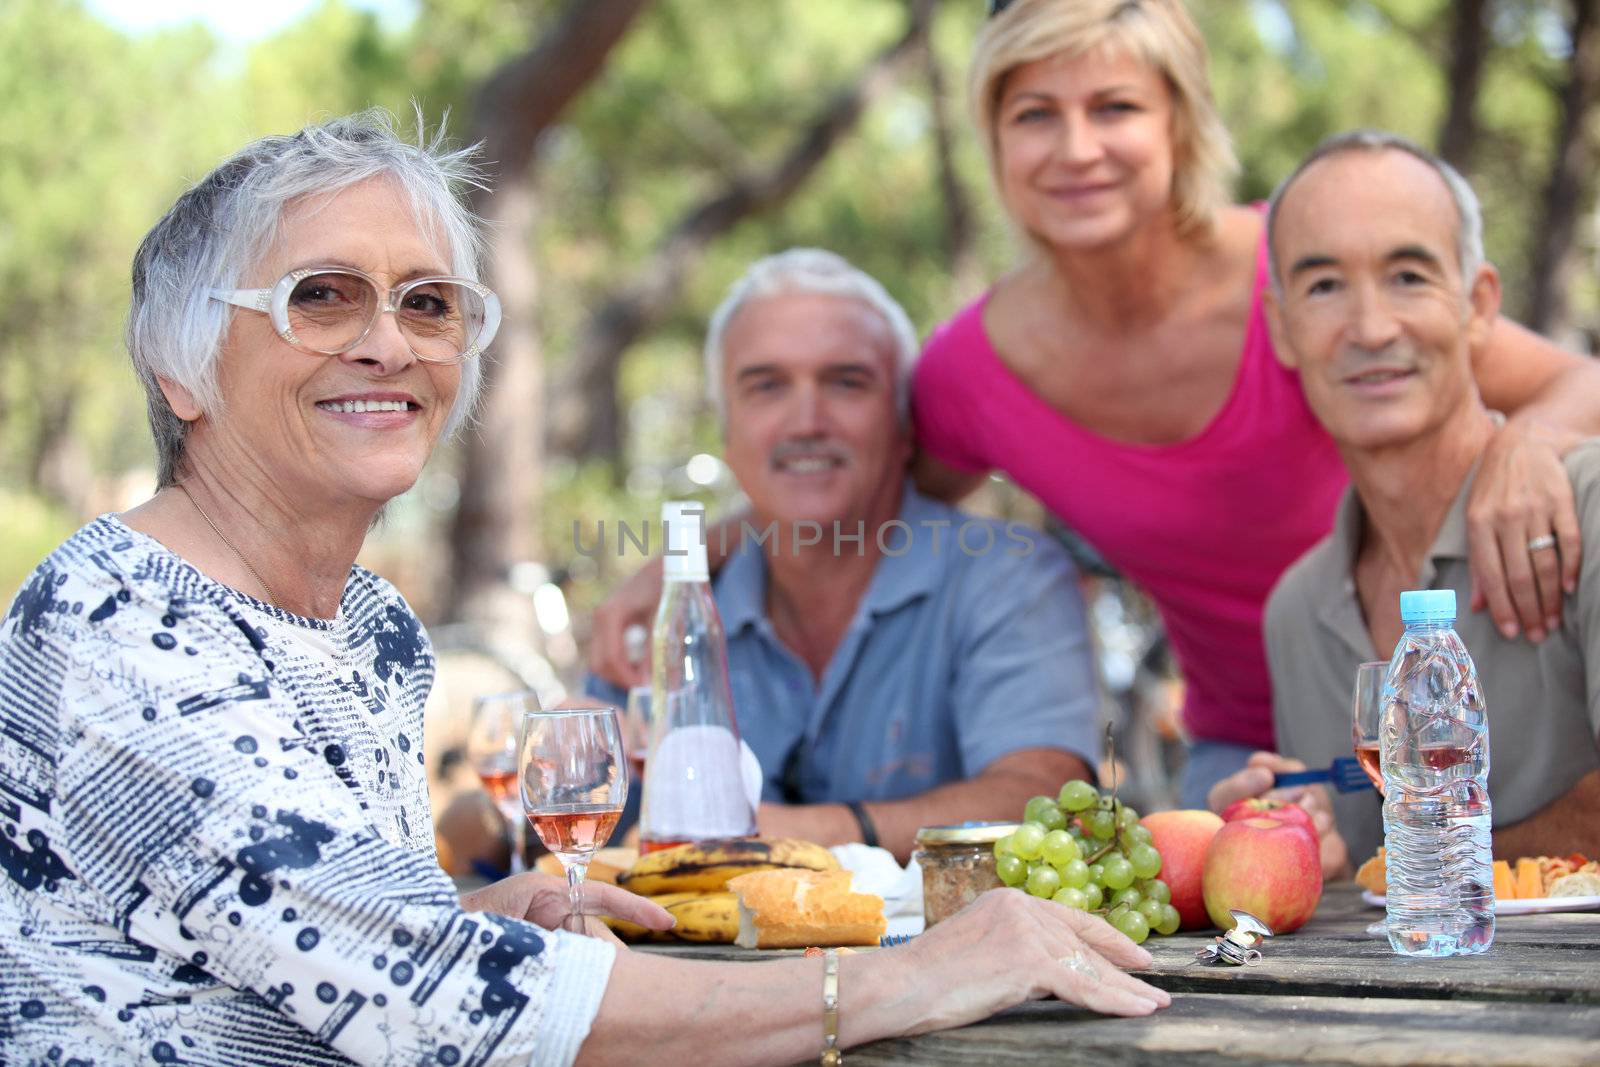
(1077, 960)
(1539, 544)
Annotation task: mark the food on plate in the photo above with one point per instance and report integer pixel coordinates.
(631, 932)
(793, 908)
(1182, 838)
(958, 865)
(1268, 867)
(1374, 875)
(707, 866)
(1577, 884)
(691, 882)
(705, 917)
(1526, 878)
(1554, 868)
(1505, 886)
(711, 918)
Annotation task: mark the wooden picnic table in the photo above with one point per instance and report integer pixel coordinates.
(1326, 994)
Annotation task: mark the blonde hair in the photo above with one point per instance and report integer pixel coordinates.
(1159, 33)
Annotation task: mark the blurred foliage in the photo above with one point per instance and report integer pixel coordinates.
(104, 129)
(29, 529)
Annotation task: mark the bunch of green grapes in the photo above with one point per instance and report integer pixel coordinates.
(1088, 851)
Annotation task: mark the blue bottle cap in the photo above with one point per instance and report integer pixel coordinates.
(1428, 605)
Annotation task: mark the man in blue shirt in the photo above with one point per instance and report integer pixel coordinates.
(895, 663)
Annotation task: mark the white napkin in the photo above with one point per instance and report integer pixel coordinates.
(875, 870)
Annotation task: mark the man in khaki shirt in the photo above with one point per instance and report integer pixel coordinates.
(1381, 300)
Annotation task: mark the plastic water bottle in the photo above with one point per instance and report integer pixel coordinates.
(1435, 758)
(694, 786)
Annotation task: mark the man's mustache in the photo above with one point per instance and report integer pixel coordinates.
(789, 451)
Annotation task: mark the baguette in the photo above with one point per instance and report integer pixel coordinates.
(798, 908)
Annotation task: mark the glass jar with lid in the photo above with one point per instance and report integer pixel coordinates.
(957, 865)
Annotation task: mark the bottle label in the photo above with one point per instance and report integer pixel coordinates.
(698, 785)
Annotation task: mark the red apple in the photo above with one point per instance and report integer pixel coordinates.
(1182, 838)
(1267, 867)
(1271, 808)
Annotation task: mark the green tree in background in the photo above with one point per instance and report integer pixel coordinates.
(698, 103)
(87, 164)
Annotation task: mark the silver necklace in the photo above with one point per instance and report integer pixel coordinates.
(224, 539)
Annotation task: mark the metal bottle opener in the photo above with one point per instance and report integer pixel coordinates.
(1238, 945)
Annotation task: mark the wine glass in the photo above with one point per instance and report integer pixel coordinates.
(574, 786)
(492, 752)
(1366, 713)
(636, 730)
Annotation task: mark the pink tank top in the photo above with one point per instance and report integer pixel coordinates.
(1205, 526)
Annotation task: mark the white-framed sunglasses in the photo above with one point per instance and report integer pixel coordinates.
(330, 310)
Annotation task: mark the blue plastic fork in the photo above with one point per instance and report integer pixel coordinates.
(891, 940)
(1345, 774)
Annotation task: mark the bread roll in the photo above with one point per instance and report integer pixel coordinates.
(798, 909)
(1575, 885)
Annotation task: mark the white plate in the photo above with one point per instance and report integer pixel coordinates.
(1529, 906)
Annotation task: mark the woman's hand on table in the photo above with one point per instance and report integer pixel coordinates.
(1007, 947)
(542, 899)
(1255, 780)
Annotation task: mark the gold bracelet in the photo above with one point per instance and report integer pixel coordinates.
(831, 1056)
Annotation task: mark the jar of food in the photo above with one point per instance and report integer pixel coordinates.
(957, 865)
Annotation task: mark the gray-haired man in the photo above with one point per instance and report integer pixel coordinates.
(1381, 300)
(896, 663)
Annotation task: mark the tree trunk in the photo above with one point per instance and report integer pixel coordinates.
(58, 467)
(1549, 311)
(495, 524)
(1469, 46)
(591, 426)
(502, 451)
(966, 272)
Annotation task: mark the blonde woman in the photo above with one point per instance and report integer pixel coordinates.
(1122, 373)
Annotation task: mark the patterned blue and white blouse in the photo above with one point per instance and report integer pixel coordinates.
(216, 842)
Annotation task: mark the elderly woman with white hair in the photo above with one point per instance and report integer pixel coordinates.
(213, 816)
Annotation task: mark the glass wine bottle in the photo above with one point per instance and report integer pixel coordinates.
(693, 787)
